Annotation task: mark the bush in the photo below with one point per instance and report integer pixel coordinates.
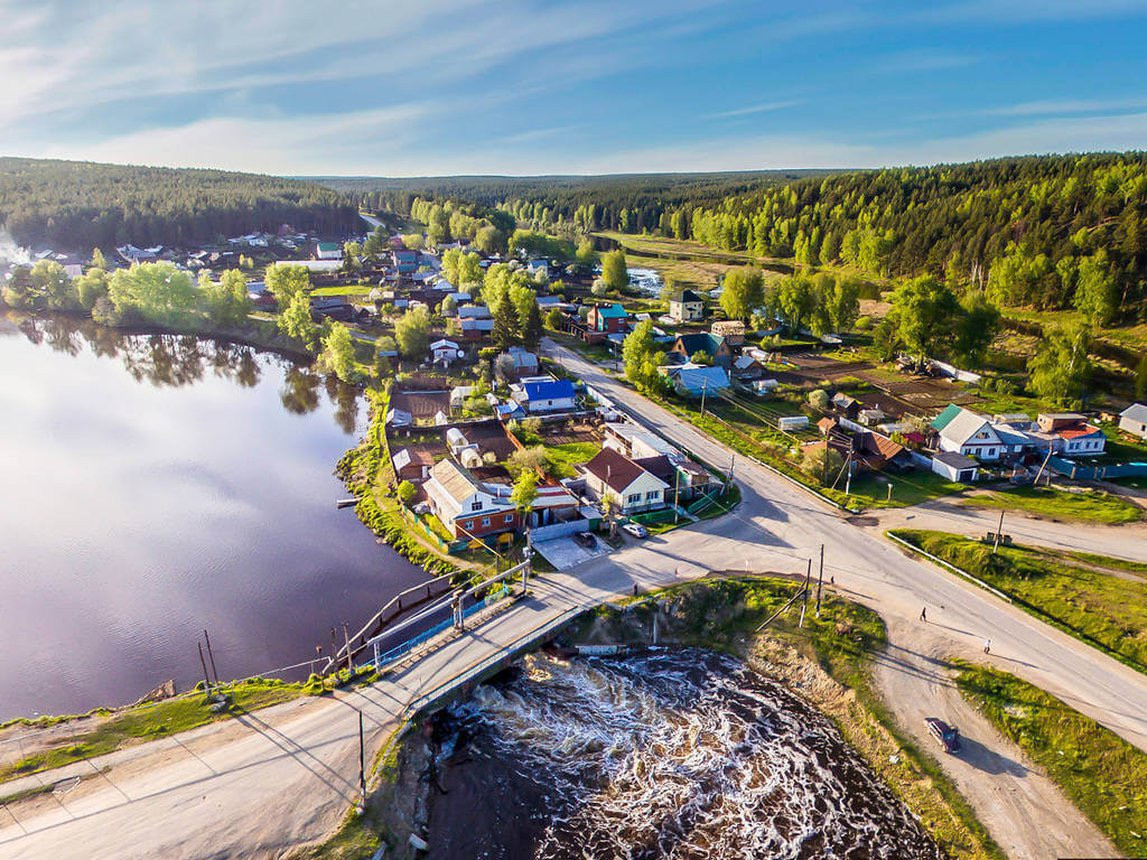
(406, 493)
(863, 323)
(818, 399)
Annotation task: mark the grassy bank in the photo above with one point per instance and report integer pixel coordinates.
(1087, 506)
(1101, 773)
(1098, 600)
(723, 614)
(103, 732)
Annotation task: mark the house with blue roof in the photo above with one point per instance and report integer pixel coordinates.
(691, 380)
(545, 395)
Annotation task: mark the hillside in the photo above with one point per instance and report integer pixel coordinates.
(79, 205)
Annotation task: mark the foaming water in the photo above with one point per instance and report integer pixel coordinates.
(672, 754)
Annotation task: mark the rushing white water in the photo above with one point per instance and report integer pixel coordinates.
(684, 754)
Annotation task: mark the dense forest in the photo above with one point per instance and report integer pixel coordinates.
(80, 205)
(630, 202)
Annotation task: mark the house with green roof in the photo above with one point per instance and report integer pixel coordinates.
(945, 417)
(717, 348)
(328, 251)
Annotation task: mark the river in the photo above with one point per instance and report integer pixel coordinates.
(670, 754)
(154, 486)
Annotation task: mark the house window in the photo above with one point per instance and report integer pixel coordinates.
(485, 521)
(653, 494)
(476, 506)
(633, 498)
(509, 518)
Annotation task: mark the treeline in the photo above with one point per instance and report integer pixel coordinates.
(80, 205)
(1046, 232)
(631, 203)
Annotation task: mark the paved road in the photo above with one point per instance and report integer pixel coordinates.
(283, 776)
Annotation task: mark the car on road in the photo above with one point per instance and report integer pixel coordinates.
(585, 539)
(635, 529)
(948, 736)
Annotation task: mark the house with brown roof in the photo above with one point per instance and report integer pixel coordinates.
(466, 506)
(629, 486)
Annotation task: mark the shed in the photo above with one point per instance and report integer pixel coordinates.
(955, 467)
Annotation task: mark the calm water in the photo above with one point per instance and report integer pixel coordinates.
(153, 486)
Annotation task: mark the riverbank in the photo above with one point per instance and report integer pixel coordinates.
(826, 662)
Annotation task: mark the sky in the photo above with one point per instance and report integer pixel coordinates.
(441, 87)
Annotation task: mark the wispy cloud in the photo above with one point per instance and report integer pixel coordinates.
(924, 60)
(1067, 106)
(764, 107)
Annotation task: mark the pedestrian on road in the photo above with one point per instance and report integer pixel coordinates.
(987, 646)
(924, 614)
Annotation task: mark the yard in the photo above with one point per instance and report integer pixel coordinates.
(1101, 773)
(1083, 506)
(1097, 600)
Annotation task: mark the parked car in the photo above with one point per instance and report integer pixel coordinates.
(948, 736)
(635, 529)
(585, 539)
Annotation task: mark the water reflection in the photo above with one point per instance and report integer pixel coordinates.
(155, 485)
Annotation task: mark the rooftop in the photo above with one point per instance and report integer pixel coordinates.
(615, 469)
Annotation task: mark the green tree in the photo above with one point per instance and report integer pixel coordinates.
(337, 356)
(1060, 368)
(742, 293)
(490, 240)
(818, 399)
(586, 253)
(975, 329)
(406, 492)
(796, 301)
(227, 302)
(923, 312)
(295, 322)
(52, 283)
(524, 493)
(413, 241)
(91, 286)
(822, 463)
(286, 281)
(1096, 293)
(555, 319)
(614, 271)
(506, 326)
(412, 332)
(156, 292)
(641, 357)
(532, 329)
(462, 268)
(1141, 380)
(98, 260)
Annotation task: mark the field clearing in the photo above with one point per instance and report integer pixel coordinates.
(1088, 506)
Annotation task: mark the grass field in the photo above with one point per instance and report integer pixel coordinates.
(1087, 506)
(563, 458)
(149, 721)
(351, 290)
(1101, 773)
(1096, 599)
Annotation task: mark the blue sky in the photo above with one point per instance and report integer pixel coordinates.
(399, 88)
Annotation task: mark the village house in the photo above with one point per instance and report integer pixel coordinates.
(412, 463)
(1073, 435)
(1133, 420)
(733, 331)
(545, 394)
(465, 506)
(328, 251)
(686, 306)
(717, 348)
(630, 488)
(476, 329)
(515, 363)
(964, 432)
(695, 380)
(687, 479)
(608, 319)
(445, 352)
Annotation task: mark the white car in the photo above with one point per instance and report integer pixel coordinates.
(635, 529)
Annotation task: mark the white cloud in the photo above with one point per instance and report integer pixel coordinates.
(764, 107)
(1067, 106)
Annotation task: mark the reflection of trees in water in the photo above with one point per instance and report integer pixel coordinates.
(300, 392)
(345, 400)
(177, 360)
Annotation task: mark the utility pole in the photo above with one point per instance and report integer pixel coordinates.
(807, 583)
(206, 678)
(704, 388)
(211, 657)
(819, 580)
(732, 466)
(848, 474)
(676, 491)
(346, 639)
(890, 491)
(999, 532)
(361, 760)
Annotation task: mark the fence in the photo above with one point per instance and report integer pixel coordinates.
(1097, 473)
(557, 530)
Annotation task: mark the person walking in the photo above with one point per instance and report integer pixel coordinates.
(987, 646)
(924, 614)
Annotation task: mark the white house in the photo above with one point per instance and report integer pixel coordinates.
(630, 488)
(328, 251)
(444, 351)
(971, 435)
(686, 306)
(544, 394)
(1133, 420)
(1082, 440)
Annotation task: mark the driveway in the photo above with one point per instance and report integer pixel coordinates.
(565, 552)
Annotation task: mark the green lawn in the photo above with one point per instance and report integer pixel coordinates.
(1107, 609)
(351, 290)
(911, 488)
(148, 721)
(1101, 773)
(1087, 506)
(563, 458)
